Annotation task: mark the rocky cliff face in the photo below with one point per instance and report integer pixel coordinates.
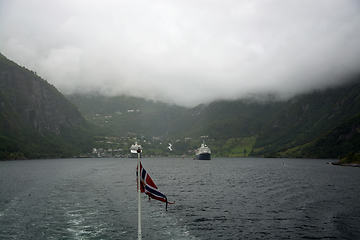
(26, 98)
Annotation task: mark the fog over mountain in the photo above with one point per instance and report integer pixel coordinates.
(184, 52)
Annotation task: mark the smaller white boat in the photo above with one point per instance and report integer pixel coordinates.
(133, 150)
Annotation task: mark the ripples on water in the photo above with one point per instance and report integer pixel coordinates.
(225, 198)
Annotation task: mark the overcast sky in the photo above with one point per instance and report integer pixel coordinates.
(186, 51)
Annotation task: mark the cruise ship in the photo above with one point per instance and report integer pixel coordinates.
(203, 152)
(133, 150)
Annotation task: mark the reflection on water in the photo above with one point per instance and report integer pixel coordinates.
(225, 198)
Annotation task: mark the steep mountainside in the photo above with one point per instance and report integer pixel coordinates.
(35, 119)
(308, 117)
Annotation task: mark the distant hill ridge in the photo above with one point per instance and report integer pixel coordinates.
(278, 126)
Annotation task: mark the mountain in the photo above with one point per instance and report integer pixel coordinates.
(279, 126)
(308, 118)
(36, 120)
(120, 115)
(225, 119)
(293, 128)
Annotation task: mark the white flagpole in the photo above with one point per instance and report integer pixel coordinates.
(139, 195)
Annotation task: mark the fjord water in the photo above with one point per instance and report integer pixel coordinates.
(225, 198)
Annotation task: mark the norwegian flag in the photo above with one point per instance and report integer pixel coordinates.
(149, 188)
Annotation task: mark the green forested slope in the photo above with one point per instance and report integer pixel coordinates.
(277, 126)
(344, 139)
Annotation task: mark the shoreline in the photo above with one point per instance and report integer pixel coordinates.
(345, 164)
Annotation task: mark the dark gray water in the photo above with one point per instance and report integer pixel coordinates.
(225, 198)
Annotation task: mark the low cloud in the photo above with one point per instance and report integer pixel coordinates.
(184, 52)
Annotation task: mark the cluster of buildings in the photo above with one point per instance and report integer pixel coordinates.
(103, 153)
